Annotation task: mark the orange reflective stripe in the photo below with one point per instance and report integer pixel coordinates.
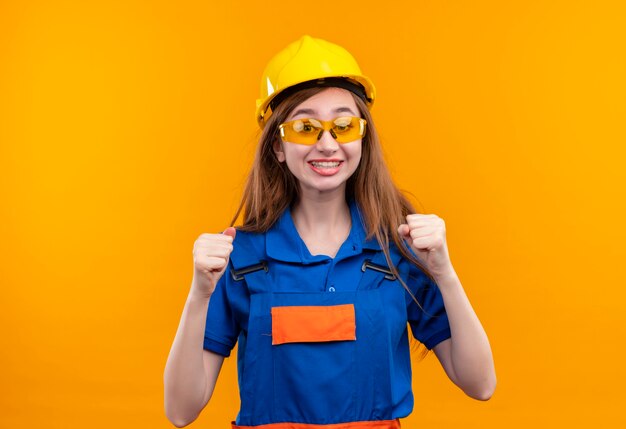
(378, 424)
(313, 323)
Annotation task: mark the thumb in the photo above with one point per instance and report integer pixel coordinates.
(230, 231)
(404, 231)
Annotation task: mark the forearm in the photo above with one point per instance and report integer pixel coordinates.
(185, 380)
(471, 354)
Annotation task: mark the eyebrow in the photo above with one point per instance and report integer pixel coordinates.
(312, 111)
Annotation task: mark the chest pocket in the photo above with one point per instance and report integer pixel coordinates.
(313, 324)
(317, 358)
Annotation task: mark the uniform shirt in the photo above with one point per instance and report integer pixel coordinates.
(294, 269)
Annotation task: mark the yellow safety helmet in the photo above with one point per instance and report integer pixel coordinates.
(306, 63)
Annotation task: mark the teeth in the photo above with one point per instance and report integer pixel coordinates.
(325, 164)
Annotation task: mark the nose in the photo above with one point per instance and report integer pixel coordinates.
(327, 143)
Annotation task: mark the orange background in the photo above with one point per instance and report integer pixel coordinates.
(127, 128)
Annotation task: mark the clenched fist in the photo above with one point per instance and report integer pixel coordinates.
(426, 234)
(210, 258)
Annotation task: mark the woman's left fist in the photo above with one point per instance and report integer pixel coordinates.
(426, 234)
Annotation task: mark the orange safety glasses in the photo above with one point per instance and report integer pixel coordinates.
(344, 129)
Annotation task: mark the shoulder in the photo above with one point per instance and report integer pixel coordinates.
(248, 248)
(413, 275)
(248, 236)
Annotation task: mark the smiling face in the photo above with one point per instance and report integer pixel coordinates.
(325, 166)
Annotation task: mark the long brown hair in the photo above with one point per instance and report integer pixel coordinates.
(271, 187)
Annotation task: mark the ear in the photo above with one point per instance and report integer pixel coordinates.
(278, 150)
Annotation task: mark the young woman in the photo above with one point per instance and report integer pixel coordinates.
(331, 264)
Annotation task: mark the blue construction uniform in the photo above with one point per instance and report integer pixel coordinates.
(363, 378)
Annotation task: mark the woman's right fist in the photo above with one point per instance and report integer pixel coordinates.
(210, 258)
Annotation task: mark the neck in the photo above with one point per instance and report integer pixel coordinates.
(322, 215)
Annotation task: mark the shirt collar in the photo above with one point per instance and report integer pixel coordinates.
(283, 242)
(360, 232)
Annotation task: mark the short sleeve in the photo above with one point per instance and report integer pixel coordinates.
(221, 330)
(429, 324)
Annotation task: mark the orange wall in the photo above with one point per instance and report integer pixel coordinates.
(127, 128)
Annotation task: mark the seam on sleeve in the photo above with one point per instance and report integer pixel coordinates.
(436, 338)
(217, 347)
